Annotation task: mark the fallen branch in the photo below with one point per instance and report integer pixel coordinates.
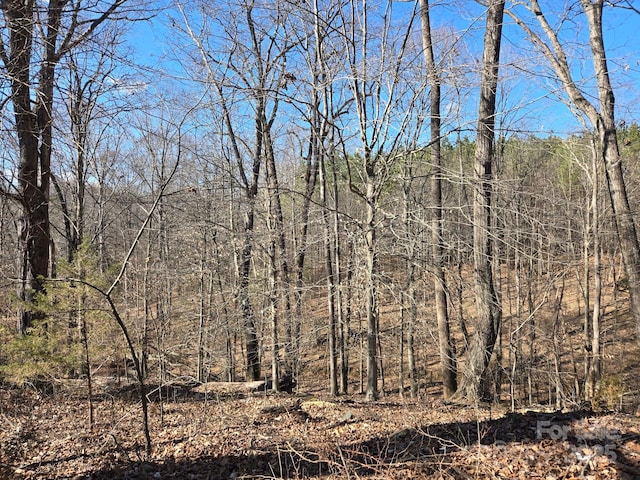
(286, 385)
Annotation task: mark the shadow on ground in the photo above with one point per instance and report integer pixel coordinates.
(433, 451)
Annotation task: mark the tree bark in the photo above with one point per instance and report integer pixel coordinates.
(244, 248)
(33, 128)
(603, 122)
(34, 45)
(488, 310)
(605, 125)
(372, 294)
(447, 354)
(594, 350)
(345, 292)
(332, 285)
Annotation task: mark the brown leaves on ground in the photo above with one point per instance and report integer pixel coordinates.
(267, 436)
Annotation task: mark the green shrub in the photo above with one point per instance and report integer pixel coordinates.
(43, 353)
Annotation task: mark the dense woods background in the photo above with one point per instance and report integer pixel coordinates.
(322, 192)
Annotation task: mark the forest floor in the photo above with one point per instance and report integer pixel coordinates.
(224, 435)
(268, 436)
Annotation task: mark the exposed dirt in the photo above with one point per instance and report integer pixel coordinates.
(288, 436)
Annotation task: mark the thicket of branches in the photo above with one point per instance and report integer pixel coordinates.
(269, 204)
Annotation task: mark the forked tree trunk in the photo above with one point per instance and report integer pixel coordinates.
(33, 124)
(488, 309)
(35, 38)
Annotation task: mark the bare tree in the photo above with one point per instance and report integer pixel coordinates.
(488, 309)
(447, 354)
(601, 116)
(38, 36)
(376, 83)
(93, 102)
(250, 40)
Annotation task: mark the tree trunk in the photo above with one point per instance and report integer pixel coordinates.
(202, 310)
(244, 248)
(371, 279)
(274, 301)
(594, 348)
(244, 272)
(603, 122)
(292, 351)
(33, 127)
(411, 350)
(606, 128)
(280, 276)
(447, 355)
(345, 324)
(409, 306)
(488, 309)
(586, 292)
(31, 40)
(332, 285)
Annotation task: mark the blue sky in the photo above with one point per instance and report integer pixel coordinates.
(527, 102)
